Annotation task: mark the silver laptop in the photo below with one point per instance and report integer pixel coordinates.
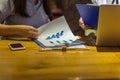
(108, 32)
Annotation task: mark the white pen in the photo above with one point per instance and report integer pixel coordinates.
(63, 49)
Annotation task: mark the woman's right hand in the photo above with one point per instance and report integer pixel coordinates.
(27, 31)
(82, 24)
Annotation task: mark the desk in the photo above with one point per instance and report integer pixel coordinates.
(31, 64)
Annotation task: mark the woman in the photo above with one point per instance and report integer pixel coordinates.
(22, 17)
(81, 22)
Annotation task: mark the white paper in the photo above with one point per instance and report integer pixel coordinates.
(56, 32)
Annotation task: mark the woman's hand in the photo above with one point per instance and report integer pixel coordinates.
(23, 30)
(26, 31)
(82, 24)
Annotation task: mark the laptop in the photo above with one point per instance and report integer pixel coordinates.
(108, 29)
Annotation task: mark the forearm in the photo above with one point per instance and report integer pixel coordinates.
(23, 30)
(8, 30)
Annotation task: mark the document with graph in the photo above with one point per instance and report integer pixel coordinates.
(54, 33)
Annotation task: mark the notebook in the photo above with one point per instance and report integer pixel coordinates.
(108, 31)
(89, 14)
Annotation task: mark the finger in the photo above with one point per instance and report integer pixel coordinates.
(81, 21)
(34, 34)
(33, 29)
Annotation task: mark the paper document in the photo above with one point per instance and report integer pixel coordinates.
(56, 32)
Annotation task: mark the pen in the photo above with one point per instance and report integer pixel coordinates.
(63, 49)
(69, 44)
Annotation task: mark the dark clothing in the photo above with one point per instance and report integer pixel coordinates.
(72, 16)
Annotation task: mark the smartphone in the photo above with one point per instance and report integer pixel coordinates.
(16, 46)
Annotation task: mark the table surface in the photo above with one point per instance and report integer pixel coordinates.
(34, 64)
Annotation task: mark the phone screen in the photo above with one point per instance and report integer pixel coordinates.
(16, 45)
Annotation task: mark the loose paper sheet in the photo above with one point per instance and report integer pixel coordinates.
(56, 32)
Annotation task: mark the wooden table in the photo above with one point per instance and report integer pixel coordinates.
(33, 64)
